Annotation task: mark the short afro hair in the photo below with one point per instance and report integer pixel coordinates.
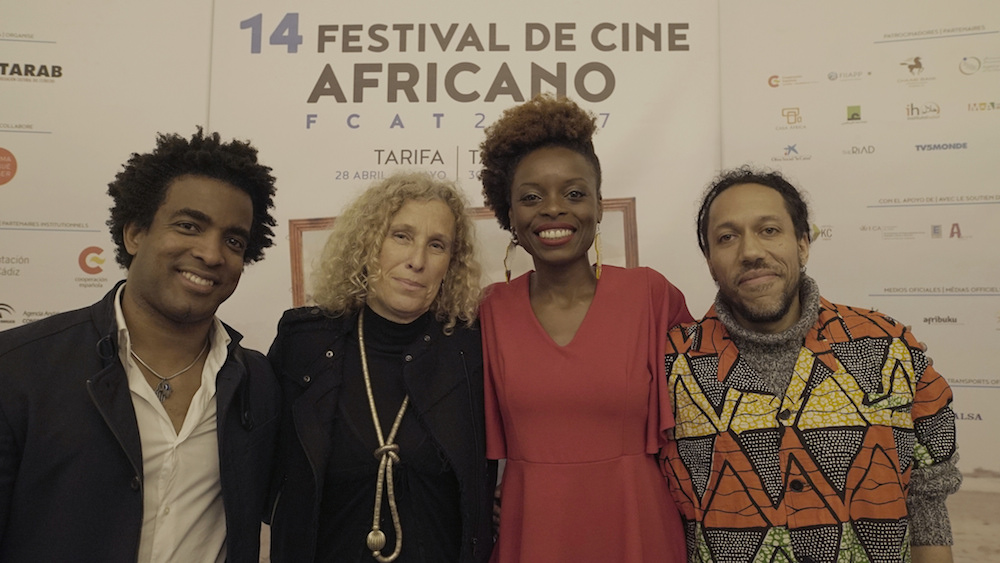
(746, 174)
(140, 188)
(543, 121)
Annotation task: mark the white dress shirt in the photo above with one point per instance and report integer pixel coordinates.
(184, 519)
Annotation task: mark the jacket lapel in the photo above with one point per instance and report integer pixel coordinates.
(108, 389)
(110, 393)
(427, 380)
(227, 381)
(313, 412)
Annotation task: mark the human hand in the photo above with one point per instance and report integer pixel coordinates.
(496, 510)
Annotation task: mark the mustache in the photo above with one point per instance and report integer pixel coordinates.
(757, 264)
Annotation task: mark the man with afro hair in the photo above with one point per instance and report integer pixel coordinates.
(138, 429)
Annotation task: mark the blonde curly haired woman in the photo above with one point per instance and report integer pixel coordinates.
(382, 447)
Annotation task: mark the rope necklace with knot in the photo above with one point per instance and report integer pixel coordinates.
(388, 454)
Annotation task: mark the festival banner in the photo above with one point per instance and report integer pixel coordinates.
(338, 96)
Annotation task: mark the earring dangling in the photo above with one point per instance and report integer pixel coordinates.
(511, 247)
(597, 248)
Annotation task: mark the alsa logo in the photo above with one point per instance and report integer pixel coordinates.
(90, 260)
(968, 416)
(25, 69)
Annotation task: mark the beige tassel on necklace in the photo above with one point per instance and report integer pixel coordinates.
(387, 454)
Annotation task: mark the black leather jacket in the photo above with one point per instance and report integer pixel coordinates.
(444, 378)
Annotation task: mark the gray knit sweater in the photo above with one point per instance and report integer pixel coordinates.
(773, 356)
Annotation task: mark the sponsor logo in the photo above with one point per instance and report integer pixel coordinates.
(90, 260)
(975, 65)
(955, 231)
(968, 416)
(6, 312)
(792, 115)
(791, 153)
(793, 119)
(942, 147)
(914, 72)
(820, 232)
(855, 150)
(974, 106)
(29, 72)
(914, 66)
(8, 166)
(845, 76)
(926, 110)
(970, 65)
(892, 232)
(775, 80)
(853, 116)
(7, 264)
(939, 320)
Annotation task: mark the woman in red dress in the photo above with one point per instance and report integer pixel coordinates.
(575, 390)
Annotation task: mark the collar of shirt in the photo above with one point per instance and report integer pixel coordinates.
(217, 354)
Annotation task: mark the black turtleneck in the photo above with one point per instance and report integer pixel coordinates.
(426, 488)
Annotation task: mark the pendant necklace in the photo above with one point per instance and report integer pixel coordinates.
(163, 389)
(387, 454)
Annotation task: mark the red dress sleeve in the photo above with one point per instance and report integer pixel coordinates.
(496, 440)
(668, 308)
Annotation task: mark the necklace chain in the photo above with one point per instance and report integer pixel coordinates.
(163, 389)
(387, 454)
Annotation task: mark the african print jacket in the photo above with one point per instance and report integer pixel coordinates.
(820, 474)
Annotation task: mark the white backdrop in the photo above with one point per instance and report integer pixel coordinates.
(125, 71)
(904, 197)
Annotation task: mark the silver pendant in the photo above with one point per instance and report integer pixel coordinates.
(163, 390)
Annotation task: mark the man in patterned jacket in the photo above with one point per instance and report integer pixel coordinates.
(806, 431)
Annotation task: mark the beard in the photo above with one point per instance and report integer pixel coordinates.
(764, 313)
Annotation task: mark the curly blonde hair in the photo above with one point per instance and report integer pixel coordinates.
(543, 121)
(350, 265)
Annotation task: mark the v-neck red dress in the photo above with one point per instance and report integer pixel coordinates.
(580, 425)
